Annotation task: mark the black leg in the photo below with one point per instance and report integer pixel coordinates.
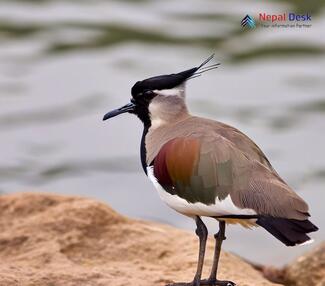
(212, 280)
(219, 237)
(202, 233)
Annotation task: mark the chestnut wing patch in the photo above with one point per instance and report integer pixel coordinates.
(177, 168)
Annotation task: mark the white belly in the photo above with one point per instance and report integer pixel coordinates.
(219, 208)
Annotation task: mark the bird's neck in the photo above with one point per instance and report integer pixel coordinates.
(157, 124)
(164, 113)
(167, 119)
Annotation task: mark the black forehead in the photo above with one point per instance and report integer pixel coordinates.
(160, 82)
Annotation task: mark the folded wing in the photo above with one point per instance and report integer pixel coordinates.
(203, 169)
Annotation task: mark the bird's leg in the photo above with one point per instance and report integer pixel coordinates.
(219, 237)
(212, 280)
(202, 233)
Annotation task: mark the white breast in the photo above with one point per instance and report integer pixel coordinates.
(219, 208)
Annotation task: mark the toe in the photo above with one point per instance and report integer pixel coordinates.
(225, 283)
(214, 282)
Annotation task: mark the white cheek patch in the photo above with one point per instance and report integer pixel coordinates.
(155, 112)
(157, 122)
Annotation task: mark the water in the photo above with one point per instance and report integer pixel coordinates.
(63, 64)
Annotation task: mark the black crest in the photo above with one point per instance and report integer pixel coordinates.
(170, 81)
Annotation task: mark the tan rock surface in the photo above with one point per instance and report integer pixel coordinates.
(51, 240)
(308, 269)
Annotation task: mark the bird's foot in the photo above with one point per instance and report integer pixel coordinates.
(216, 282)
(205, 282)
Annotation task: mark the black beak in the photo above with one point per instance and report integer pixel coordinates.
(130, 107)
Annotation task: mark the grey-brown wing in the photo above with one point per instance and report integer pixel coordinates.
(250, 184)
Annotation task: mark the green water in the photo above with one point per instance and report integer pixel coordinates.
(63, 64)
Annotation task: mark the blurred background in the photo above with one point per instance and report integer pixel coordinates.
(63, 64)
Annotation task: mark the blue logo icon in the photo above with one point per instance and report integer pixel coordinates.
(248, 21)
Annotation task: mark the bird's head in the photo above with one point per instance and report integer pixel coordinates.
(159, 99)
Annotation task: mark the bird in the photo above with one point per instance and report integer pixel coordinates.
(205, 168)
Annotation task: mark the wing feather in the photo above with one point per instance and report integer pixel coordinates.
(201, 168)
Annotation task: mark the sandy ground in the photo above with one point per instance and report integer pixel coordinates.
(308, 269)
(51, 240)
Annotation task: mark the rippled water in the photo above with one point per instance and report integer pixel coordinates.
(63, 64)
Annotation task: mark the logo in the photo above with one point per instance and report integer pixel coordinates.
(281, 20)
(285, 17)
(285, 20)
(248, 21)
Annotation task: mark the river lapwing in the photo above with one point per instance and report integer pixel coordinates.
(205, 168)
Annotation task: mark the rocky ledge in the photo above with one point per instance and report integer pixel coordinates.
(52, 240)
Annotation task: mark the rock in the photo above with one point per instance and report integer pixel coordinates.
(51, 240)
(308, 269)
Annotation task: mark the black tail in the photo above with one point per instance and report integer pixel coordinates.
(289, 231)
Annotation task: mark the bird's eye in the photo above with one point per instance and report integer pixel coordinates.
(132, 100)
(149, 93)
